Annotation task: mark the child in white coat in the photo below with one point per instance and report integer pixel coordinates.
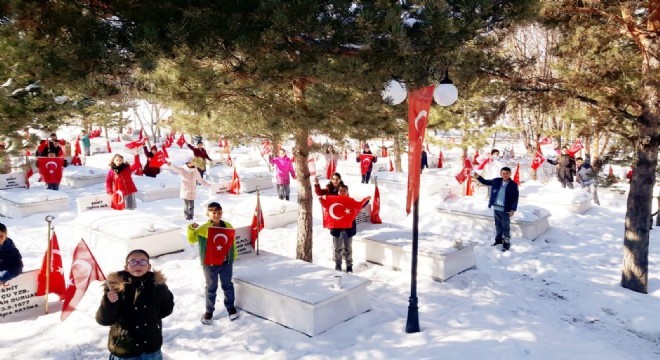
(189, 179)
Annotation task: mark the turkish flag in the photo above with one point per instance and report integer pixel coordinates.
(538, 160)
(50, 169)
(158, 160)
(226, 143)
(107, 143)
(465, 172)
(365, 162)
(136, 167)
(391, 166)
(419, 103)
(267, 148)
(55, 273)
(545, 141)
(77, 150)
(577, 146)
(340, 211)
(516, 176)
(76, 160)
(484, 163)
(181, 141)
(375, 208)
(218, 243)
(235, 186)
(94, 133)
(257, 223)
(469, 189)
(84, 269)
(332, 167)
(117, 199)
(140, 137)
(136, 144)
(440, 158)
(383, 151)
(28, 174)
(165, 154)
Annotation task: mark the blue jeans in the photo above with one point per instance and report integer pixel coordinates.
(502, 225)
(53, 186)
(156, 355)
(366, 177)
(211, 275)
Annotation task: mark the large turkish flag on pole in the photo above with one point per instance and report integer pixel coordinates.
(84, 269)
(419, 103)
(54, 276)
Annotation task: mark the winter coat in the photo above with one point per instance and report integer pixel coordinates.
(283, 167)
(11, 261)
(85, 141)
(189, 179)
(586, 175)
(510, 197)
(565, 167)
(200, 157)
(135, 319)
(149, 170)
(120, 176)
(200, 236)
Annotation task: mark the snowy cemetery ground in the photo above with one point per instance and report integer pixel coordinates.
(553, 297)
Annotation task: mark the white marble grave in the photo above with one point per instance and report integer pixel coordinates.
(528, 222)
(18, 300)
(102, 227)
(438, 257)
(81, 176)
(297, 294)
(431, 183)
(161, 187)
(18, 202)
(351, 167)
(250, 178)
(575, 200)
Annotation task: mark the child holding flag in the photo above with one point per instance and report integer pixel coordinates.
(189, 178)
(217, 261)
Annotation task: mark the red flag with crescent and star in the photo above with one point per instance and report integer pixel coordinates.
(257, 223)
(218, 243)
(516, 176)
(136, 167)
(164, 150)
(465, 172)
(419, 103)
(136, 144)
(365, 162)
(50, 169)
(158, 159)
(575, 147)
(440, 158)
(340, 211)
(28, 174)
(181, 141)
(538, 160)
(84, 269)
(235, 186)
(375, 208)
(391, 166)
(117, 201)
(76, 160)
(77, 150)
(56, 272)
(332, 166)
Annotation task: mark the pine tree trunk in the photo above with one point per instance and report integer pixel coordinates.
(301, 153)
(397, 153)
(638, 215)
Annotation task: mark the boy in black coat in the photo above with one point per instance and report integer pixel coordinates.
(504, 201)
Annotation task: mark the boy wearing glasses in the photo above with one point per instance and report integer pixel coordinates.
(198, 234)
(134, 304)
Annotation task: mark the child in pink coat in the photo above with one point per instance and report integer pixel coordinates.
(283, 167)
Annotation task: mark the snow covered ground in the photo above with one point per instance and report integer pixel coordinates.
(557, 297)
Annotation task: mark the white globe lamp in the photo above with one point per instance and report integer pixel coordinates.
(395, 92)
(445, 94)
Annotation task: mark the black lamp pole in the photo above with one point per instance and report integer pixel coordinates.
(412, 323)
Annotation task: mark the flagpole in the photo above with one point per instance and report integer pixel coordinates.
(49, 254)
(412, 322)
(256, 241)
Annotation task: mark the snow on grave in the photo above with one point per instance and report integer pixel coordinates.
(277, 213)
(314, 298)
(250, 178)
(572, 200)
(430, 183)
(529, 221)
(439, 257)
(82, 176)
(104, 228)
(18, 202)
(162, 187)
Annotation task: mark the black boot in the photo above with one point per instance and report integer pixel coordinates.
(506, 244)
(349, 268)
(338, 266)
(497, 242)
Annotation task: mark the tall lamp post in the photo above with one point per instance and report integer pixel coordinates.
(445, 94)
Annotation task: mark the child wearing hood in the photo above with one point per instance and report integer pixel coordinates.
(134, 303)
(11, 261)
